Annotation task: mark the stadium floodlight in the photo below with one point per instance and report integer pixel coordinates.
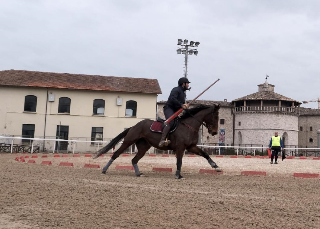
(186, 50)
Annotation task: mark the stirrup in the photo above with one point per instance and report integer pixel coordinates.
(164, 143)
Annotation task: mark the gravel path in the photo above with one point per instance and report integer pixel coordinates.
(40, 196)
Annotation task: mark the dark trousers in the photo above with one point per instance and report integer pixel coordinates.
(168, 112)
(274, 152)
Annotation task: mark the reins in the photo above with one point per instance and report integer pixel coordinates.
(201, 123)
(190, 127)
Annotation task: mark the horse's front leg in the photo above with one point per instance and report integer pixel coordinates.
(179, 155)
(200, 152)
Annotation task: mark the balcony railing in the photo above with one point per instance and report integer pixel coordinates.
(266, 109)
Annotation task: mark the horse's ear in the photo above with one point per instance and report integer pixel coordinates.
(217, 106)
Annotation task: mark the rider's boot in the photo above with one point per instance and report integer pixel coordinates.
(163, 141)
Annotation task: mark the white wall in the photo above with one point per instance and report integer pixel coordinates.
(81, 118)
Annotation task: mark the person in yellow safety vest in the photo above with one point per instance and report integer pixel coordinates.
(276, 146)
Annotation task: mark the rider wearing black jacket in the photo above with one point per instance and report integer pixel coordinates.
(176, 100)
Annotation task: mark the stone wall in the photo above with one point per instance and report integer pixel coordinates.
(308, 134)
(258, 128)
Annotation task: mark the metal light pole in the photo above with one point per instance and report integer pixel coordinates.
(187, 49)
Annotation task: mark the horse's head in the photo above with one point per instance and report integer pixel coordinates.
(212, 119)
(209, 115)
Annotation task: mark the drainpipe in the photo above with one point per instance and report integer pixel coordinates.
(234, 122)
(45, 121)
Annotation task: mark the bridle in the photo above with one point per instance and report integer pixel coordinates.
(209, 127)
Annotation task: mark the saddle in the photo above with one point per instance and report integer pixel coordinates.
(157, 126)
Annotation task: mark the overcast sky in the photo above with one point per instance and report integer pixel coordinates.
(241, 41)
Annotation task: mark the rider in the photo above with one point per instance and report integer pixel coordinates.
(176, 100)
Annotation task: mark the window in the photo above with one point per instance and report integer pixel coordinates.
(30, 103)
(64, 105)
(27, 132)
(96, 134)
(98, 107)
(131, 108)
(310, 140)
(239, 123)
(222, 121)
(301, 129)
(310, 128)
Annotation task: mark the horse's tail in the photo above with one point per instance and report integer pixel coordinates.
(112, 143)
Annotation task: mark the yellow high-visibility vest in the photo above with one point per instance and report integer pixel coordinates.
(276, 141)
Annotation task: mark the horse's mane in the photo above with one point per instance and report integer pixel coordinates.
(192, 111)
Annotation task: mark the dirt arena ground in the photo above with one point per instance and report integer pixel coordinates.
(52, 196)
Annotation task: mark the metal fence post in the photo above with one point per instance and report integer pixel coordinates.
(11, 146)
(74, 147)
(31, 147)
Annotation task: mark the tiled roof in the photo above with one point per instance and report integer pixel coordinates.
(266, 95)
(22, 78)
(205, 102)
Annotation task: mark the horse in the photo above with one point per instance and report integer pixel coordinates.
(184, 137)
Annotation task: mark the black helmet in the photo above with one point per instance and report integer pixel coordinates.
(183, 80)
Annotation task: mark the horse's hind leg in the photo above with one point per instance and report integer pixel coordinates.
(116, 154)
(142, 146)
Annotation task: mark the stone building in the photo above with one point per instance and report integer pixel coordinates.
(252, 119)
(309, 125)
(259, 115)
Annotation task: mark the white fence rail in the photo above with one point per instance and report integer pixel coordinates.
(12, 144)
(258, 150)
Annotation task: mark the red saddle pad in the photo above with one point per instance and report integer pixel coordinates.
(156, 126)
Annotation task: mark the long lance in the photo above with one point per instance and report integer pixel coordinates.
(176, 114)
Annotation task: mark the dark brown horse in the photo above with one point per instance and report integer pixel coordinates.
(185, 137)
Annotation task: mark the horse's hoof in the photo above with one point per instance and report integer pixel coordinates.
(218, 169)
(214, 166)
(140, 175)
(103, 172)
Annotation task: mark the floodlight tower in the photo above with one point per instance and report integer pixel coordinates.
(187, 49)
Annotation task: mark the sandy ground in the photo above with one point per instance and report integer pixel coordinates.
(40, 196)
